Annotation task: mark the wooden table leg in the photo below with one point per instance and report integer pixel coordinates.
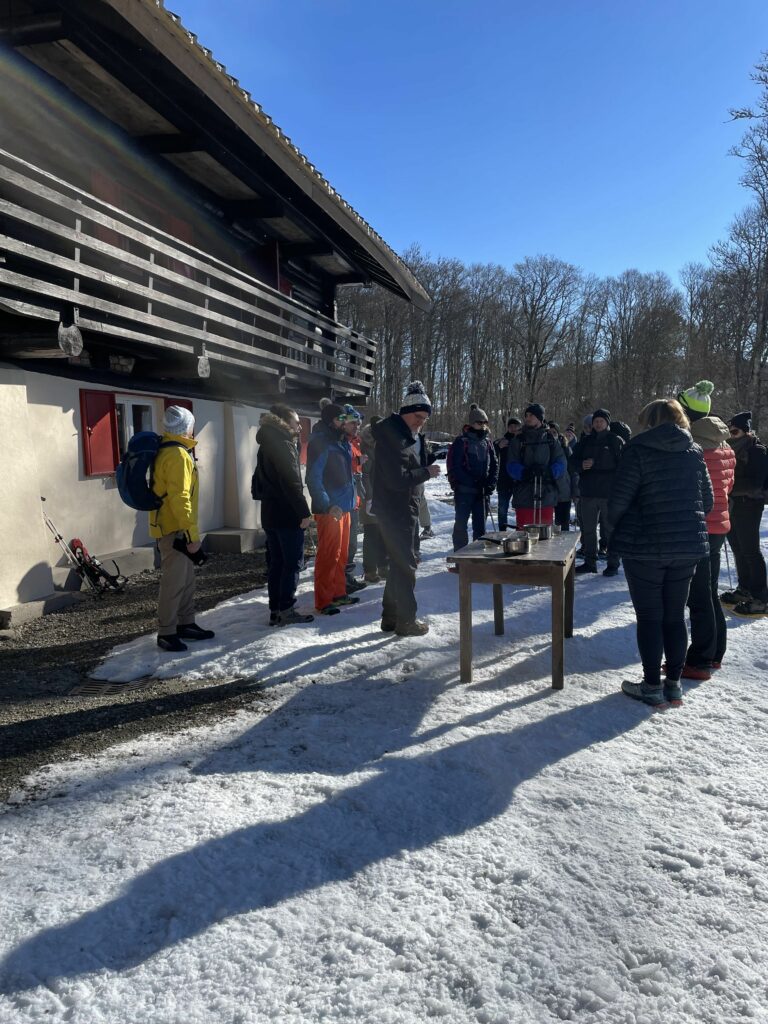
(558, 617)
(465, 626)
(569, 582)
(498, 610)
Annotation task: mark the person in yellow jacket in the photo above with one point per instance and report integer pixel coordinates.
(174, 480)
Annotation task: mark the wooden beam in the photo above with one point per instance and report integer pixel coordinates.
(302, 250)
(33, 28)
(176, 143)
(254, 209)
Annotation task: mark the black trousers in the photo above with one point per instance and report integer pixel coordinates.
(400, 537)
(708, 626)
(504, 499)
(285, 560)
(375, 559)
(563, 515)
(659, 591)
(744, 539)
(594, 512)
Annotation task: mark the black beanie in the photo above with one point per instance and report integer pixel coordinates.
(329, 412)
(742, 421)
(603, 413)
(535, 410)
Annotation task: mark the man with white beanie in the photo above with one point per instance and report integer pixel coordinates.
(400, 467)
(174, 524)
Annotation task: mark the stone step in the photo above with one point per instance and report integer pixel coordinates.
(233, 542)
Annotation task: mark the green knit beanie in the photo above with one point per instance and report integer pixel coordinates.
(696, 399)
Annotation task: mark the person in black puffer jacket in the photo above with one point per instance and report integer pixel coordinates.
(596, 458)
(472, 467)
(657, 514)
(514, 426)
(284, 510)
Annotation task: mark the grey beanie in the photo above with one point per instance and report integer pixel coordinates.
(178, 420)
(476, 414)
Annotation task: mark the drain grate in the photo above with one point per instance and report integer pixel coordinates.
(104, 688)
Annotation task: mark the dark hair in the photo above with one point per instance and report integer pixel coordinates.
(515, 420)
(282, 411)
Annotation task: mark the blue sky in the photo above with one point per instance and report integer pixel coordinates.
(596, 131)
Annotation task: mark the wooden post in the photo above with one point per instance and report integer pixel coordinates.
(498, 610)
(569, 582)
(558, 595)
(465, 624)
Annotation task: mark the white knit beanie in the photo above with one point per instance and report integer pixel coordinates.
(178, 420)
(416, 399)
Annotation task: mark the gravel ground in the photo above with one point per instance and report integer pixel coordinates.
(42, 661)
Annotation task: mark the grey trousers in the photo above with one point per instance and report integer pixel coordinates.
(176, 600)
(594, 511)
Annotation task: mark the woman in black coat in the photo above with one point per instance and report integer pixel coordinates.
(285, 513)
(657, 513)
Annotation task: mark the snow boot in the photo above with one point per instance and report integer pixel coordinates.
(651, 695)
(673, 693)
(273, 617)
(345, 599)
(585, 567)
(696, 672)
(735, 596)
(388, 625)
(171, 643)
(194, 632)
(753, 609)
(372, 577)
(415, 628)
(290, 617)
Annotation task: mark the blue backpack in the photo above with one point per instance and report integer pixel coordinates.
(134, 474)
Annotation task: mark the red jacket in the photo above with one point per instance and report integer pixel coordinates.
(711, 433)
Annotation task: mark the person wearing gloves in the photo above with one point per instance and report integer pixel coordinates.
(504, 486)
(657, 512)
(401, 465)
(472, 467)
(536, 464)
(596, 458)
(750, 599)
(174, 480)
(332, 490)
(285, 514)
(708, 627)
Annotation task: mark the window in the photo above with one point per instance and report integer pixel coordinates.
(133, 416)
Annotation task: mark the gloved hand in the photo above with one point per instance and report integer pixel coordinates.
(558, 468)
(516, 470)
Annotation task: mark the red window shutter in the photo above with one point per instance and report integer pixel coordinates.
(99, 426)
(306, 429)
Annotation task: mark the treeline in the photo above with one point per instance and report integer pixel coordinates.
(548, 331)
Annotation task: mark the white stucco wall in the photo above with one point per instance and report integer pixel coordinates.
(42, 454)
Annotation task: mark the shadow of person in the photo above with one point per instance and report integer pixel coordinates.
(412, 802)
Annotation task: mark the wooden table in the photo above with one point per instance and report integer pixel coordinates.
(550, 563)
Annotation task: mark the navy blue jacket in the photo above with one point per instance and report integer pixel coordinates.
(398, 469)
(472, 464)
(329, 470)
(660, 498)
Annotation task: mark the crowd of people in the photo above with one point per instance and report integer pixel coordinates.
(661, 503)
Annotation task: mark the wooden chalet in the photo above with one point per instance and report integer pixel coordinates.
(161, 240)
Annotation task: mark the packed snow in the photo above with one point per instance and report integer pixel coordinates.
(375, 842)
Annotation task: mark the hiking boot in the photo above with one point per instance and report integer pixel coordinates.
(354, 585)
(290, 617)
(611, 571)
(345, 599)
(171, 643)
(735, 596)
(651, 695)
(330, 609)
(388, 625)
(696, 672)
(372, 577)
(753, 609)
(415, 628)
(673, 693)
(194, 632)
(273, 617)
(427, 533)
(585, 567)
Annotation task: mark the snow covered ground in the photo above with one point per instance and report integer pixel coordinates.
(377, 842)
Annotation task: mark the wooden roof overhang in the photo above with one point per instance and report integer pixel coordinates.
(136, 63)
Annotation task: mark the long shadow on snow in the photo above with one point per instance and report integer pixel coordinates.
(413, 803)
